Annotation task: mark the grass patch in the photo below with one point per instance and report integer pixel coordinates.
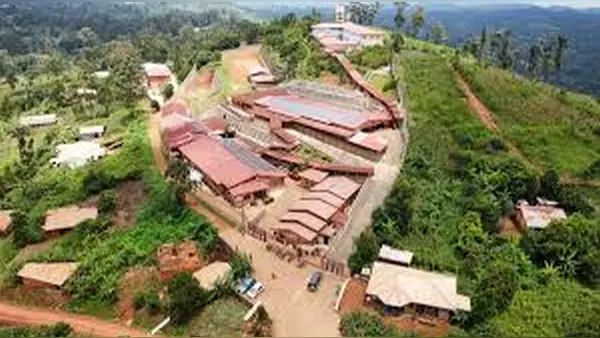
(551, 126)
(223, 318)
(8, 251)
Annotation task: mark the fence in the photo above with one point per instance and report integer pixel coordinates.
(335, 267)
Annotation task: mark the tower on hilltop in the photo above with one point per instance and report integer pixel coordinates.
(340, 12)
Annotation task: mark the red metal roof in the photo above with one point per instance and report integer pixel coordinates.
(324, 196)
(306, 219)
(208, 155)
(317, 208)
(340, 186)
(282, 156)
(285, 136)
(313, 175)
(368, 141)
(340, 218)
(248, 188)
(156, 70)
(214, 123)
(343, 168)
(297, 229)
(175, 107)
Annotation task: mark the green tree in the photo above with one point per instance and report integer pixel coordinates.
(483, 46)
(439, 34)
(178, 174)
(241, 265)
(417, 21)
(366, 249)
(363, 13)
(399, 17)
(168, 91)
(25, 230)
(186, 298)
(206, 236)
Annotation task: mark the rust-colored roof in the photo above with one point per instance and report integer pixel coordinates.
(51, 273)
(248, 188)
(317, 208)
(175, 107)
(297, 229)
(306, 219)
(324, 196)
(208, 155)
(215, 123)
(275, 123)
(68, 217)
(540, 216)
(282, 156)
(313, 175)
(156, 70)
(340, 186)
(368, 141)
(5, 220)
(340, 218)
(285, 136)
(343, 168)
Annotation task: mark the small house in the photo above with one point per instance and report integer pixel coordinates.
(394, 256)
(102, 74)
(38, 120)
(538, 216)
(91, 132)
(211, 274)
(77, 154)
(59, 221)
(396, 290)
(46, 275)
(156, 75)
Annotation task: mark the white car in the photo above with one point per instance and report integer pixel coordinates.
(255, 290)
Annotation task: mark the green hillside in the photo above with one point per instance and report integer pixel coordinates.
(460, 178)
(550, 126)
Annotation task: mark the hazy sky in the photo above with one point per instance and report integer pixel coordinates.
(570, 3)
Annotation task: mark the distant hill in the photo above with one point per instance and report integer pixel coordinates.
(582, 71)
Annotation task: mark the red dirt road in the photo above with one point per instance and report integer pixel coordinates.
(19, 315)
(484, 114)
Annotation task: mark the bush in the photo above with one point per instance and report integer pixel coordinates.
(186, 298)
(168, 91)
(241, 265)
(139, 300)
(206, 236)
(25, 230)
(106, 202)
(153, 303)
(366, 248)
(365, 324)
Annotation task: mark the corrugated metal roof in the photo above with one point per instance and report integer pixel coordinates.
(317, 208)
(38, 120)
(297, 229)
(52, 273)
(78, 154)
(156, 70)
(211, 274)
(399, 286)
(308, 220)
(313, 175)
(92, 130)
(324, 196)
(68, 217)
(540, 216)
(394, 255)
(249, 187)
(340, 186)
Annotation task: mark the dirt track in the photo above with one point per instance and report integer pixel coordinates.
(18, 315)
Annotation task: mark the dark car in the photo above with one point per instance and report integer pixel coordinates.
(314, 280)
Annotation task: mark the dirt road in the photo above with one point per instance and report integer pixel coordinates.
(483, 113)
(18, 315)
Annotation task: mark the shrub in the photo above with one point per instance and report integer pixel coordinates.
(366, 248)
(186, 298)
(365, 324)
(168, 91)
(139, 300)
(106, 202)
(153, 303)
(495, 145)
(206, 236)
(25, 230)
(241, 265)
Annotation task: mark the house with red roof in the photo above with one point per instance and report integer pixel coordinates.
(156, 75)
(231, 169)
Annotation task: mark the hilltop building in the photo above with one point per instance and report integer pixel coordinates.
(342, 36)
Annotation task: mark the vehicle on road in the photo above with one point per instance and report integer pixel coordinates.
(255, 290)
(314, 280)
(244, 284)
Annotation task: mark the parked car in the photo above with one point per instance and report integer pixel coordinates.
(314, 280)
(255, 290)
(244, 284)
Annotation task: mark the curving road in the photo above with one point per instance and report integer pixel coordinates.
(30, 316)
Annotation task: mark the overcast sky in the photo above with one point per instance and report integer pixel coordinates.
(570, 3)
